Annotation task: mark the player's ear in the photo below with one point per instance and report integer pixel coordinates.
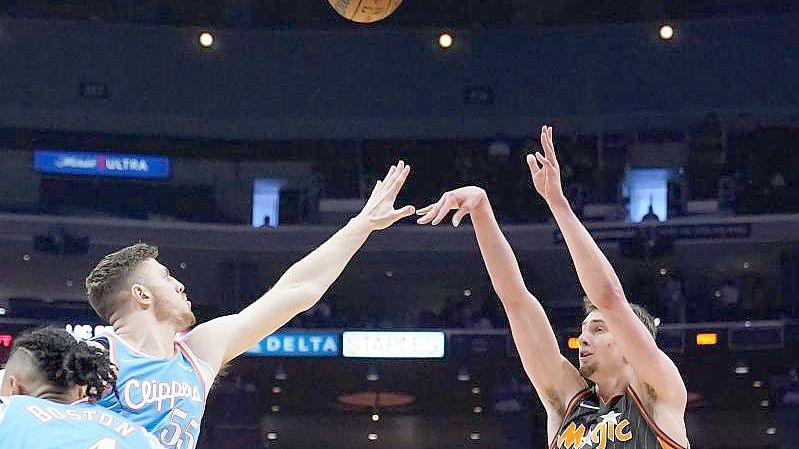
(141, 294)
(14, 387)
(77, 392)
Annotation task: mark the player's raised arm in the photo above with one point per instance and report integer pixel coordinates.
(602, 285)
(301, 286)
(554, 377)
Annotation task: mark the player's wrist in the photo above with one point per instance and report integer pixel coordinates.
(558, 202)
(361, 224)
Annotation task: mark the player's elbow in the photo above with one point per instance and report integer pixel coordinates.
(675, 394)
(299, 297)
(513, 295)
(609, 295)
(306, 296)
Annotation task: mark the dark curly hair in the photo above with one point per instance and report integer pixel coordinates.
(65, 362)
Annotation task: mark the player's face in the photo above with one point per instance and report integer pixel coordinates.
(598, 350)
(170, 302)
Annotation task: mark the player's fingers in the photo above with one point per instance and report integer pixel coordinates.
(425, 209)
(395, 215)
(544, 161)
(430, 215)
(458, 216)
(445, 208)
(389, 173)
(406, 211)
(549, 147)
(432, 210)
(398, 181)
(531, 162)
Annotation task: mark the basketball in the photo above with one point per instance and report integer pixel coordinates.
(365, 11)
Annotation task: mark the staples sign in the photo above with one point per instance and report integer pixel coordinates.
(396, 345)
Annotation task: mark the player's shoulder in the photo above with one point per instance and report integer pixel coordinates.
(5, 404)
(16, 399)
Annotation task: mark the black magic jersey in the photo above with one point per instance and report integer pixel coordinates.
(622, 423)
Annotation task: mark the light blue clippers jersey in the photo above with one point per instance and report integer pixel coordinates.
(165, 396)
(32, 423)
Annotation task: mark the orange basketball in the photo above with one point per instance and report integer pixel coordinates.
(365, 11)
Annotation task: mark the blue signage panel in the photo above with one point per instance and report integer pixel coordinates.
(298, 344)
(101, 164)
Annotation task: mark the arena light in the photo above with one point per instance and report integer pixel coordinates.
(474, 436)
(372, 375)
(445, 40)
(375, 417)
(463, 375)
(6, 340)
(206, 39)
(666, 32)
(707, 339)
(372, 437)
(574, 343)
(477, 410)
(280, 373)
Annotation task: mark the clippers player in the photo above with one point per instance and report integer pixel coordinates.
(637, 398)
(164, 379)
(41, 397)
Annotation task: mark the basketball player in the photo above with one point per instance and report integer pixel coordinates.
(42, 404)
(637, 398)
(164, 379)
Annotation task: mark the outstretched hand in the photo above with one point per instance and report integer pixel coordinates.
(545, 170)
(379, 210)
(465, 200)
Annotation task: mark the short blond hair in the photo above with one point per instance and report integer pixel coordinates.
(640, 312)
